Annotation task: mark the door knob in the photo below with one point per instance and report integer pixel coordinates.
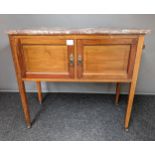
(71, 59)
(79, 59)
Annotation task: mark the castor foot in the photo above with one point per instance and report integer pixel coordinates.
(117, 104)
(28, 126)
(126, 129)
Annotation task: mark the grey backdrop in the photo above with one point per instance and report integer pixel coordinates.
(146, 80)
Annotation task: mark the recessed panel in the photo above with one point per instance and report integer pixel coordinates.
(105, 59)
(46, 58)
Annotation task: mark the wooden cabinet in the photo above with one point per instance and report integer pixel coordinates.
(77, 57)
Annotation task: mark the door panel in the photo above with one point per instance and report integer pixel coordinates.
(106, 59)
(47, 60)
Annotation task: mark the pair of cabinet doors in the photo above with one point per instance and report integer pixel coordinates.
(80, 59)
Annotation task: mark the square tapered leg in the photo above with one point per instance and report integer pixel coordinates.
(39, 92)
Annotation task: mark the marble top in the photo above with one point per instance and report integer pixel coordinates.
(45, 31)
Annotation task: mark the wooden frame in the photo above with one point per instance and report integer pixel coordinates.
(17, 41)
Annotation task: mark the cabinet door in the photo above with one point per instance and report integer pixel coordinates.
(47, 58)
(106, 59)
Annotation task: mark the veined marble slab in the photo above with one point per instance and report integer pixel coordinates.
(45, 31)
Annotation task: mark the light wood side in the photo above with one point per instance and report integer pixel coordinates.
(134, 80)
(38, 84)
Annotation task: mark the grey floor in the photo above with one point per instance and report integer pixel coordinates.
(67, 117)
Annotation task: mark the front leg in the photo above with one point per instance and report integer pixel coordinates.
(130, 104)
(134, 81)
